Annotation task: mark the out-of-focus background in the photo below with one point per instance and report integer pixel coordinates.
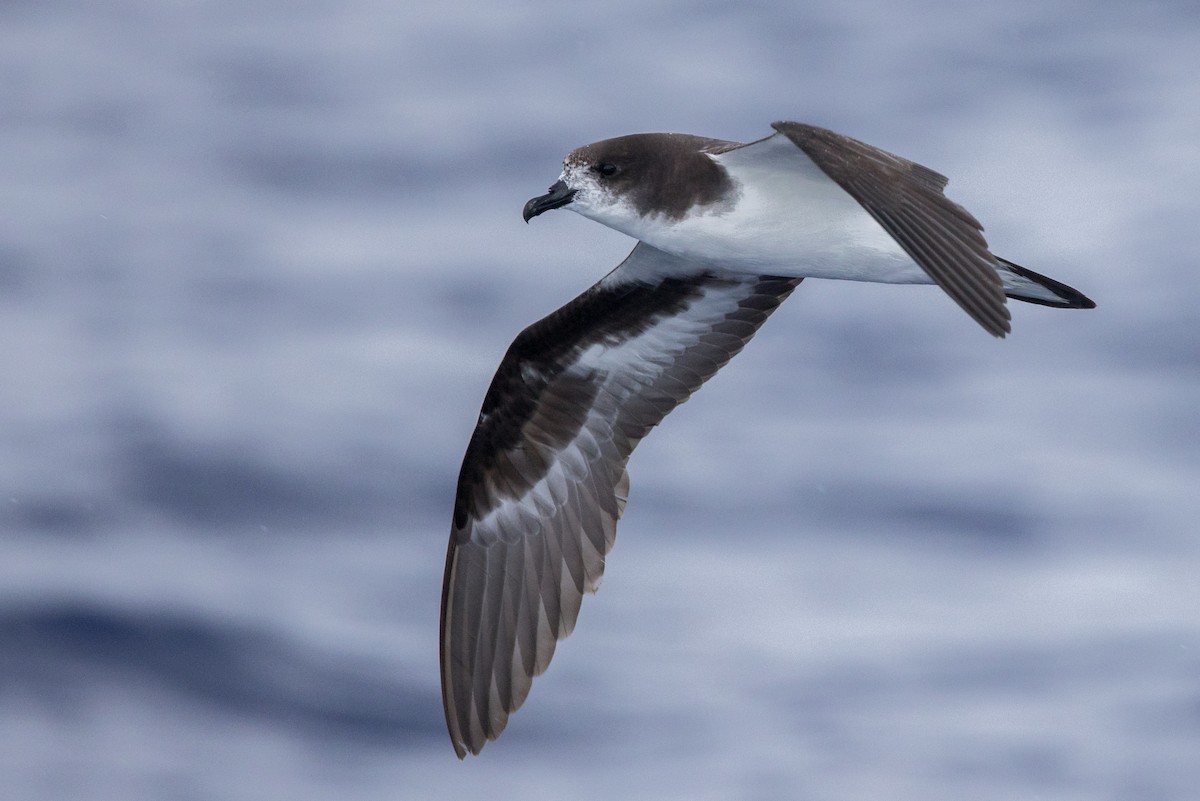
(258, 261)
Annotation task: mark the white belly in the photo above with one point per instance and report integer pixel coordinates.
(789, 219)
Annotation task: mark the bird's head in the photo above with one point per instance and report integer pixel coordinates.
(625, 181)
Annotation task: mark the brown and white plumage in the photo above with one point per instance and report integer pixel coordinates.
(906, 200)
(726, 232)
(544, 482)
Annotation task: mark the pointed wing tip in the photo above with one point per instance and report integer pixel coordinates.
(1003, 324)
(453, 729)
(791, 129)
(999, 326)
(461, 746)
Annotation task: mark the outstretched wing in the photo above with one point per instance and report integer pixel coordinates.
(543, 481)
(906, 199)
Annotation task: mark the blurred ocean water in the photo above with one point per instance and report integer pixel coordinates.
(259, 260)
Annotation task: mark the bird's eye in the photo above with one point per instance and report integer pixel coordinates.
(606, 170)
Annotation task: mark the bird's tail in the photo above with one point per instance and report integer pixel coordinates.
(1031, 287)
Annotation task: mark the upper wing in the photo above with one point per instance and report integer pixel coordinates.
(906, 199)
(543, 481)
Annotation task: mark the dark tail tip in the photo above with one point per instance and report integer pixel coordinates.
(1068, 297)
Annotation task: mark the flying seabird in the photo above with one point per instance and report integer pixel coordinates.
(725, 232)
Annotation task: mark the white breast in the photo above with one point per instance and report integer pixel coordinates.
(788, 219)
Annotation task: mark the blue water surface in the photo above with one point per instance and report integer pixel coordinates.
(258, 261)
